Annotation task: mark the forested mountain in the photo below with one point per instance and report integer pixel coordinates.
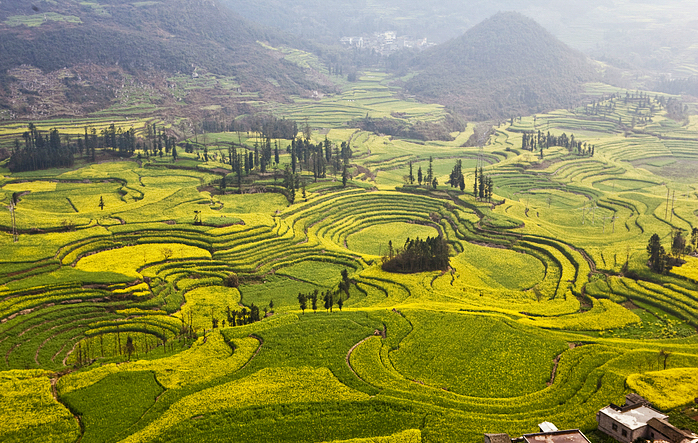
(507, 65)
(139, 39)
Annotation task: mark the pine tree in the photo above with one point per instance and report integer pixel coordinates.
(130, 348)
(482, 184)
(302, 301)
(430, 171)
(313, 299)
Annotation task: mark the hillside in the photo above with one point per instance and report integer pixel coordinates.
(138, 39)
(195, 297)
(507, 65)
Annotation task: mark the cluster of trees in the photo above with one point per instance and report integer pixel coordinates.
(678, 86)
(662, 262)
(40, 152)
(292, 182)
(483, 186)
(268, 126)
(338, 295)
(418, 256)
(534, 142)
(316, 157)
(53, 150)
(419, 130)
(456, 178)
(427, 179)
(156, 140)
(240, 317)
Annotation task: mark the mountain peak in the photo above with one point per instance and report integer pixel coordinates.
(506, 65)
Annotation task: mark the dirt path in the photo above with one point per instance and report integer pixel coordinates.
(552, 376)
(556, 361)
(349, 356)
(261, 342)
(590, 262)
(54, 392)
(65, 359)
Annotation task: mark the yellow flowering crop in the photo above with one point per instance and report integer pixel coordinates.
(667, 389)
(28, 411)
(268, 386)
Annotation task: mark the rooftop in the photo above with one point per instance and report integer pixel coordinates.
(669, 430)
(571, 436)
(498, 438)
(632, 418)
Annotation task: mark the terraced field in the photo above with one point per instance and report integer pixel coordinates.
(548, 310)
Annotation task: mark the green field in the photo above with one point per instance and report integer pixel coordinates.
(548, 310)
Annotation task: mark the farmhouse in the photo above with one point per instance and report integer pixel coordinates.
(636, 419)
(549, 434)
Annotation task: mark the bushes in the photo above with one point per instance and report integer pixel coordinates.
(419, 256)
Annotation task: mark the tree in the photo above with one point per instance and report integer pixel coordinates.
(302, 301)
(482, 180)
(166, 253)
(306, 130)
(434, 183)
(101, 203)
(232, 281)
(345, 175)
(130, 348)
(430, 171)
(678, 244)
(490, 187)
(340, 302)
(475, 193)
(664, 355)
(328, 298)
(313, 299)
(456, 175)
(254, 313)
(174, 153)
(419, 176)
(344, 283)
(657, 255)
(271, 305)
(411, 176)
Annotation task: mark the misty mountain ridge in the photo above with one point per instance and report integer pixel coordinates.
(507, 65)
(141, 39)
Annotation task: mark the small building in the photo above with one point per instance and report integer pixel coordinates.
(663, 430)
(626, 423)
(497, 438)
(568, 436)
(637, 419)
(549, 434)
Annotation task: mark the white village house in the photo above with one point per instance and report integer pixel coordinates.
(636, 419)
